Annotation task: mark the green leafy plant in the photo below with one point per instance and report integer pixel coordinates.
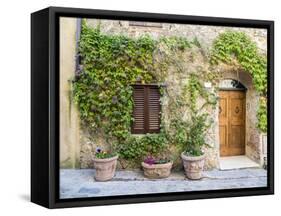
(101, 154)
(233, 46)
(137, 147)
(196, 131)
(262, 114)
(190, 133)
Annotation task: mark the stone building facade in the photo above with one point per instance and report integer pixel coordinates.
(77, 146)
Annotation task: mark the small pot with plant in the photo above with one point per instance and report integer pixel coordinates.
(156, 167)
(193, 156)
(105, 165)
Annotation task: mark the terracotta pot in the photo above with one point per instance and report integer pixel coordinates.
(157, 170)
(193, 166)
(105, 168)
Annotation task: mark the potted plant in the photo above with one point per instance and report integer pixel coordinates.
(105, 164)
(193, 156)
(188, 127)
(156, 168)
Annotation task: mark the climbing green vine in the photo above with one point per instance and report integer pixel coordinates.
(262, 114)
(111, 63)
(102, 89)
(194, 89)
(234, 46)
(188, 128)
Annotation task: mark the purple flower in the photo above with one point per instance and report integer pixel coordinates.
(149, 160)
(98, 150)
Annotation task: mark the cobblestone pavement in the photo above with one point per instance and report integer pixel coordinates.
(76, 183)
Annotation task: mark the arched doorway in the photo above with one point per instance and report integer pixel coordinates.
(232, 111)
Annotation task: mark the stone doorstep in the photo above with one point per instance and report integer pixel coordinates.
(237, 162)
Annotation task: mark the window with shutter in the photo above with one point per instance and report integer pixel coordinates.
(147, 109)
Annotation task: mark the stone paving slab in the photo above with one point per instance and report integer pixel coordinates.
(76, 183)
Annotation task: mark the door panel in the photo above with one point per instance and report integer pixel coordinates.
(223, 137)
(232, 123)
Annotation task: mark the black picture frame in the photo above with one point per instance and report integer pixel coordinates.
(45, 106)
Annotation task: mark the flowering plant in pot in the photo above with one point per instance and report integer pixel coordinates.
(157, 167)
(151, 149)
(105, 164)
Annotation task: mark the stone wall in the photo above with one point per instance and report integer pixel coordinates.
(205, 35)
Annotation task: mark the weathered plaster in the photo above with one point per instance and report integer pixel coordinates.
(69, 118)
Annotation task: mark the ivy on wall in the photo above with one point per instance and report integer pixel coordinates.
(233, 46)
(111, 63)
(103, 92)
(262, 114)
(194, 90)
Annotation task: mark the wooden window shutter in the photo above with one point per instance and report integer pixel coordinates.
(153, 109)
(138, 113)
(147, 109)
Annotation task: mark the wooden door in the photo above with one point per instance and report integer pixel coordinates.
(232, 122)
